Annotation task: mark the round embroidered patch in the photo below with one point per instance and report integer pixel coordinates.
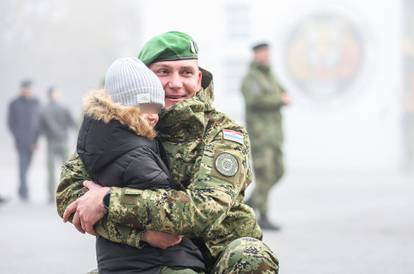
(226, 164)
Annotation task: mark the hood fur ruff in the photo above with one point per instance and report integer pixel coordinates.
(99, 105)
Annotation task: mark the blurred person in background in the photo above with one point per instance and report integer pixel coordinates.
(55, 123)
(23, 122)
(2, 200)
(264, 99)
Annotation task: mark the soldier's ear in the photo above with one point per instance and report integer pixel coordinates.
(199, 79)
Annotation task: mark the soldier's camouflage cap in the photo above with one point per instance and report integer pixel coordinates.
(169, 46)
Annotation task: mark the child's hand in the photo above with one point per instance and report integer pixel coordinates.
(161, 239)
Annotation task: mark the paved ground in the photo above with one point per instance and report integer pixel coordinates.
(340, 222)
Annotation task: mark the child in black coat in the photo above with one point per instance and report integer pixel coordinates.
(116, 143)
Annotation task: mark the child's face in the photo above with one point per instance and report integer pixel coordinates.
(150, 113)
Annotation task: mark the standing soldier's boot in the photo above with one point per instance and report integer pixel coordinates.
(265, 224)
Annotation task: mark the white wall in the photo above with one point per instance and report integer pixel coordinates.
(362, 130)
(75, 42)
(357, 132)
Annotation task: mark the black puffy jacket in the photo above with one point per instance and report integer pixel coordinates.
(118, 151)
(115, 155)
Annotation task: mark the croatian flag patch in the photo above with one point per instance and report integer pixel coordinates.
(233, 136)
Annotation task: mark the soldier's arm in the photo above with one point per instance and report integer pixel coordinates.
(11, 119)
(70, 186)
(118, 233)
(256, 98)
(41, 130)
(220, 177)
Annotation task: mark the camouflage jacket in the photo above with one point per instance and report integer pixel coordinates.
(263, 100)
(261, 90)
(208, 157)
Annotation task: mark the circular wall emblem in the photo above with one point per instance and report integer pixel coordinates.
(324, 55)
(226, 164)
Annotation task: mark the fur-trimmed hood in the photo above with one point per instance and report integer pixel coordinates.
(112, 135)
(99, 106)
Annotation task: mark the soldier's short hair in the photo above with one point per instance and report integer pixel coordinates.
(259, 46)
(26, 83)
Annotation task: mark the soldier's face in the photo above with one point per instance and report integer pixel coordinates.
(262, 56)
(55, 95)
(27, 93)
(181, 79)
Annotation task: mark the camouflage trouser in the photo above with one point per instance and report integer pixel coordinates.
(56, 152)
(242, 256)
(268, 169)
(246, 255)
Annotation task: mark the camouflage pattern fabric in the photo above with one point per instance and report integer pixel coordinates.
(210, 206)
(56, 150)
(246, 255)
(263, 100)
(242, 256)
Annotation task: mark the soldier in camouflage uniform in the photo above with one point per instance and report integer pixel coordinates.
(264, 99)
(208, 157)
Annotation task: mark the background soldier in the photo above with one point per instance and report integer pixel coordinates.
(264, 98)
(23, 122)
(55, 122)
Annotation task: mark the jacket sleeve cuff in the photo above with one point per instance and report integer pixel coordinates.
(120, 233)
(127, 207)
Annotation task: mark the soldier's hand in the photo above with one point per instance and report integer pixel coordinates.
(71, 210)
(77, 223)
(90, 207)
(161, 239)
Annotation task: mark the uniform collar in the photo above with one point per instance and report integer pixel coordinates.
(262, 68)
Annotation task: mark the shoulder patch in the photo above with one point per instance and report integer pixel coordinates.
(232, 135)
(226, 164)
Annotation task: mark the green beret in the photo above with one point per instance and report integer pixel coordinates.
(169, 46)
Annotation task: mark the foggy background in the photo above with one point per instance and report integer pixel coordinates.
(346, 64)
(346, 116)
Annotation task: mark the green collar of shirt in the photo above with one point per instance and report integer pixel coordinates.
(262, 68)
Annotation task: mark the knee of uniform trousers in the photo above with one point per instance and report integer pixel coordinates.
(246, 255)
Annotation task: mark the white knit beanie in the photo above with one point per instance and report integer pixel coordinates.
(129, 82)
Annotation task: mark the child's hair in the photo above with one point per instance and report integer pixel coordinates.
(99, 105)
